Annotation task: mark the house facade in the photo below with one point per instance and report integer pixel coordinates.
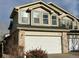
(40, 25)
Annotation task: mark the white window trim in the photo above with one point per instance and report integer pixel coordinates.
(20, 18)
(57, 20)
(32, 19)
(67, 22)
(48, 19)
(40, 20)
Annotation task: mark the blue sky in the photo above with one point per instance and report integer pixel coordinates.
(6, 7)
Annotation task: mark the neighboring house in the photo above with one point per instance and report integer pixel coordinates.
(45, 26)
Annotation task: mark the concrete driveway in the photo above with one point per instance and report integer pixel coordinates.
(63, 56)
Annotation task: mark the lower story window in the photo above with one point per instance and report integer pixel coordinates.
(73, 42)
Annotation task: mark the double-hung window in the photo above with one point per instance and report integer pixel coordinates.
(63, 23)
(36, 17)
(54, 20)
(45, 18)
(73, 42)
(42, 18)
(25, 17)
(75, 25)
(39, 18)
(66, 23)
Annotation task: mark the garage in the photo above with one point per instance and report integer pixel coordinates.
(50, 44)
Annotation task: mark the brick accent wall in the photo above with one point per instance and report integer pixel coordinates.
(21, 38)
(64, 42)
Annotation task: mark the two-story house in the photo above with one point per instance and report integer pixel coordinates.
(41, 25)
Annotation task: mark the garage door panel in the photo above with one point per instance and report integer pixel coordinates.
(49, 44)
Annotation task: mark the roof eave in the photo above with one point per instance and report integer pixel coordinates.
(15, 10)
(18, 7)
(50, 3)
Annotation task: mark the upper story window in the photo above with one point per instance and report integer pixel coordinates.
(66, 23)
(63, 23)
(75, 25)
(39, 18)
(25, 17)
(36, 17)
(45, 18)
(54, 20)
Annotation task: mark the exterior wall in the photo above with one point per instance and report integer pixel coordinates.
(38, 5)
(19, 41)
(21, 38)
(32, 23)
(63, 15)
(24, 33)
(65, 42)
(61, 34)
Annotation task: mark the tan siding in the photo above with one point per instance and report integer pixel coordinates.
(43, 33)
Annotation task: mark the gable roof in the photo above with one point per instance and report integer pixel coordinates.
(15, 10)
(30, 4)
(52, 4)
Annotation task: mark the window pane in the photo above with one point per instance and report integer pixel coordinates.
(35, 14)
(36, 20)
(24, 14)
(53, 17)
(66, 23)
(24, 20)
(73, 42)
(54, 20)
(36, 17)
(62, 23)
(25, 17)
(45, 19)
(45, 16)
